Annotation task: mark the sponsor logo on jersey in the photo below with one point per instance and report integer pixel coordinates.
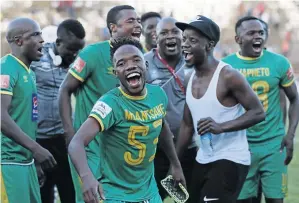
(102, 109)
(79, 64)
(156, 112)
(5, 81)
(34, 107)
(25, 78)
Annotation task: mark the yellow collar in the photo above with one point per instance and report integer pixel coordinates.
(20, 62)
(133, 97)
(248, 58)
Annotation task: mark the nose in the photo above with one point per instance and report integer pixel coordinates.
(41, 40)
(185, 44)
(138, 24)
(131, 65)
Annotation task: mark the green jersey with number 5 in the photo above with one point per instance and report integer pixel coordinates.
(130, 128)
(266, 74)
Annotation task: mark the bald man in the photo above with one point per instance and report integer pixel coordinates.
(19, 182)
(166, 69)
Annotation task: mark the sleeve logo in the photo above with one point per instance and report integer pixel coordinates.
(5, 81)
(290, 73)
(79, 64)
(102, 109)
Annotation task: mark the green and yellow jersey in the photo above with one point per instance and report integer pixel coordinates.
(266, 74)
(130, 126)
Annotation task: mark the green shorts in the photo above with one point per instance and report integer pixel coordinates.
(267, 165)
(155, 199)
(94, 164)
(19, 183)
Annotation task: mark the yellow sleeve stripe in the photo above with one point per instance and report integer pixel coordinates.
(289, 83)
(6, 92)
(99, 120)
(76, 76)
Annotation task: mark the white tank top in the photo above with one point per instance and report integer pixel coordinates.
(231, 146)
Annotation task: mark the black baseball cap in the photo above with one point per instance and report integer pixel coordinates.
(204, 25)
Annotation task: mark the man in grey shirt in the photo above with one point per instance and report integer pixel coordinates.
(166, 69)
(50, 72)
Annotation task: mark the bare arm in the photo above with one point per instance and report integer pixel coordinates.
(68, 86)
(168, 147)
(186, 131)
(10, 129)
(244, 94)
(292, 95)
(283, 104)
(76, 150)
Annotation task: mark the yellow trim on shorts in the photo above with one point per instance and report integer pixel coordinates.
(6, 92)
(76, 76)
(99, 120)
(4, 197)
(289, 83)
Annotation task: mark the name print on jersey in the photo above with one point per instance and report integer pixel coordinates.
(146, 115)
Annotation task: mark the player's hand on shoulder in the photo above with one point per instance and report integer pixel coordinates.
(44, 158)
(287, 143)
(92, 189)
(208, 125)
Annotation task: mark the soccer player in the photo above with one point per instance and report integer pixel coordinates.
(19, 115)
(215, 97)
(91, 76)
(271, 149)
(50, 72)
(149, 23)
(131, 118)
(166, 69)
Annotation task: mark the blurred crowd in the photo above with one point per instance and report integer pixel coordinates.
(92, 15)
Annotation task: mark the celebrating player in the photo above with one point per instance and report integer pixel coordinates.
(215, 97)
(130, 118)
(91, 76)
(19, 115)
(266, 72)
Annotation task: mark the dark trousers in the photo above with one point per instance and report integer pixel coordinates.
(61, 175)
(162, 166)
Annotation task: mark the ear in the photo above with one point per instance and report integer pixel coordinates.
(113, 27)
(238, 39)
(211, 45)
(146, 64)
(18, 40)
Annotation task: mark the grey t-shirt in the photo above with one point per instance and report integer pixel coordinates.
(48, 80)
(158, 74)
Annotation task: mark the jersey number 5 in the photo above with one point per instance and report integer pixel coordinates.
(262, 88)
(143, 130)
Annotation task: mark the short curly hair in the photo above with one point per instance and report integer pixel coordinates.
(121, 41)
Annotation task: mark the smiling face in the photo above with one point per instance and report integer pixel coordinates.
(251, 38)
(129, 66)
(128, 25)
(169, 37)
(194, 47)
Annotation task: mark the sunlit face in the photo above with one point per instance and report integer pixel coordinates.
(128, 25)
(194, 47)
(31, 43)
(251, 38)
(129, 66)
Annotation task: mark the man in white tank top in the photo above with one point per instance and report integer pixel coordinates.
(215, 98)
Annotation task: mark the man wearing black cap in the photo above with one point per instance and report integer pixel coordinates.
(215, 97)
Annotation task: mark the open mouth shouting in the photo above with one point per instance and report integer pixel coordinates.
(39, 51)
(257, 46)
(188, 56)
(136, 34)
(134, 79)
(171, 46)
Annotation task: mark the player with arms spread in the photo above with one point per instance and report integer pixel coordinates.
(91, 76)
(266, 72)
(131, 118)
(19, 115)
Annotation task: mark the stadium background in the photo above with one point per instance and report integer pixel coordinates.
(282, 16)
